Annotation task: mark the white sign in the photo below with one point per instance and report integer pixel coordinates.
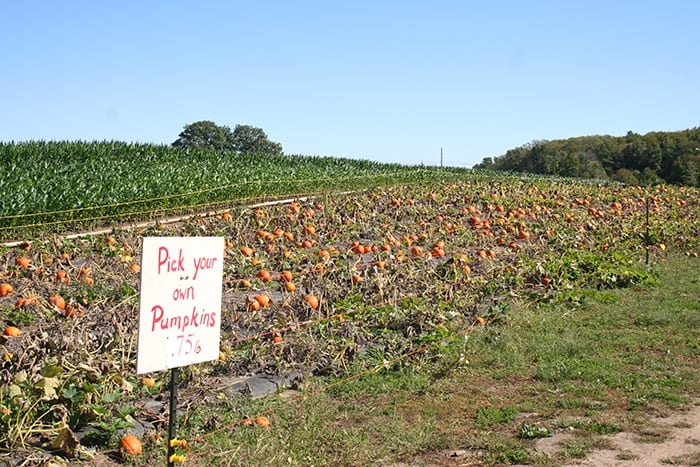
(180, 304)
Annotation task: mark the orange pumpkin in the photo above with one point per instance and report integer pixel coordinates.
(359, 248)
(5, 289)
(313, 302)
(62, 276)
(12, 331)
(264, 275)
(286, 276)
(262, 421)
(131, 445)
(58, 302)
(262, 299)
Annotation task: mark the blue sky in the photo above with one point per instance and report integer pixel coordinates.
(391, 81)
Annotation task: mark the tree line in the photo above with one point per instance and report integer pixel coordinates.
(634, 159)
(244, 139)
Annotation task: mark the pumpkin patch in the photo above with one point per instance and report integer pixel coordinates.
(348, 279)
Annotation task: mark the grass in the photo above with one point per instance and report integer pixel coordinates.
(592, 367)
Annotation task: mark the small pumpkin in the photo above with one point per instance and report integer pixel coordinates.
(131, 445)
(286, 276)
(6, 289)
(58, 301)
(262, 421)
(313, 302)
(262, 299)
(62, 276)
(12, 331)
(265, 275)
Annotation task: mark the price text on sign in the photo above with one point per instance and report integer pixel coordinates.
(180, 304)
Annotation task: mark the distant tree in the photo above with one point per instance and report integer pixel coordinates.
(626, 176)
(591, 167)
(251, 140)
(686, 170)
(649, 177)
(205, 134)
(569, 165)
(486, 164)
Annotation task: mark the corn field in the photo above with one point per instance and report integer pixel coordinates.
(67, 186)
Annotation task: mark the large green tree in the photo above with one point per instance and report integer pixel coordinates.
(251, 140)
(205, 134)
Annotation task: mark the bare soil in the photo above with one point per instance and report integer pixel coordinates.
(669, 440)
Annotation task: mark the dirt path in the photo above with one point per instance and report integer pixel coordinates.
(673, 440)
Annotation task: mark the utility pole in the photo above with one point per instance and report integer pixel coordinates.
(441, 157)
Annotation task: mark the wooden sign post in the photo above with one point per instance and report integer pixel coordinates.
(179, 308)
